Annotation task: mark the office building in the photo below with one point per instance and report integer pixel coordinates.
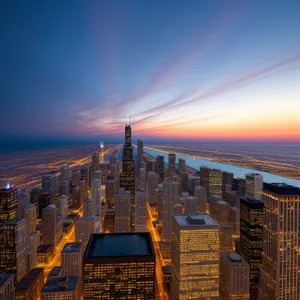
(234, 277)
(31, 285)
(226, 233)
(64, 188)
(49, 225)
(254, 186)
(31, 255)
(66, 288)
(44, 201)
(122, 211)
(279, 273)
(62, 205)
(88, 208)
(49, 185)
(85, 175)
(84, 228)
(7, 288)
(190, 205)
(8, 203)
(160, 168)
(30, 218)
(227, 181)
(13, 248)
(140, 154)
(23, 200)
(211, 180)
(71, 259)
(170, 195)
(56, 272)
(184, 182)
(200, 194)
(195, 257)
(65, 173)
(110, 192)
(109, 221)
(96, 196)
(222, 211)
(250, 246)
(140, 212)
(82, 192)
(75, 197)
(172, 163)
(151, 187)
(119, 266)
(127, 177)
(181, 165)
(95, 161)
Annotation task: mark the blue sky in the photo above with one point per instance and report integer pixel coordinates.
(75, 68)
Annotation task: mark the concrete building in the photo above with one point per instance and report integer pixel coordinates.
(110, 192)
(234, 277)
(151, 187)
(254, 186)
(280, 270)
(226, 240)
(172, 163)
(71, 259)
(109, 221)
(160, 168)
(30, 218)
(140, 212)
(62, 205)
(84, 228)
(119, 266)
(195, 257)
(200, 194)
(140, 154)
(122, 211)
(49, 225)
(96, 196)
(23, 200)
(32, 250)
(7, 288)
(190, 205)
(8, 203)
(88, 208)
(181, 163)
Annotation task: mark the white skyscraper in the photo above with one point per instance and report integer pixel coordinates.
(254, 186)
(84, 227)
(62, 204)
(140, 212)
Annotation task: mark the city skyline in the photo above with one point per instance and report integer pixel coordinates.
(196, 70)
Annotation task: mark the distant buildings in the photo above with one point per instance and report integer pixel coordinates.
(254, 186)
(160, 168)
(172, 163)
(279, 273)
(211, 180)
(119, 266)
(195, 257)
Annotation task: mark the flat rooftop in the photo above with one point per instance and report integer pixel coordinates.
(198, 220)
(55, 271)
(234, 257)
(119, 245)
(44, 248)
(72, 247)
(61, 284)
(282, 189)
(28, 279)
(4, 277)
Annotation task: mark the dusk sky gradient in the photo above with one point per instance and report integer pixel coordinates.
(180, 69)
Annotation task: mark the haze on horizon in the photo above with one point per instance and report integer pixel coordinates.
(193, 70)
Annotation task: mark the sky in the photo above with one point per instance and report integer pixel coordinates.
(180, 69)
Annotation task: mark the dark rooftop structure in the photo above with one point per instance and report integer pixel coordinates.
(55, 271)
(28, 279)
(234, 257)
(281, 188)
(61, 284)
(119, 245)
(44, 248)
(72, 247)
(195, 219)
(4, 277)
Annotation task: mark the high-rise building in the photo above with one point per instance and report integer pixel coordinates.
(254, 186)
(96, 196)
(57, 288)
(151, 187)
(30, 218)
(170, 195)
(65, 173)
(250, 245)
(88, 208)
(43, 202)
(62, 205)
(160, 168)
(222, 211)
(8, 203)
(76, 175)
(200, 194)
(31, 285)
(75, 197)
(63, 188)
(211, 179)
(195, 257)
(7, 287)
(172, 163)
(71, 259)
(109, 221)
(85, 174)
(190, 205)
(140, 154)
(227, 180)
(234, 277)
(122, 211)
(140, 212)
(84, 228)
(110, 192)
(101, 152)
(32, 250)
(181, 164)
(119, 266)
(280, 270)
(23, 200)
(13, 248)
(49, 225)
(49, 184)
(184, 182)
(95, 161)
(127, 177)
(226, 241)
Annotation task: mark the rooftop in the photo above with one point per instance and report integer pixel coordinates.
(282, 189)
(44, 248)
(234, 257)
(4, 277)
(55, 271)
(59, 284)
(28, 279)
(72, 247)
(119, 245)
(198, 220)
(82, 219)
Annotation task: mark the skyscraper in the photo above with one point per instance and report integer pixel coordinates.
(200, 194)
(211, 179)
(151, 187)
(254, 186)
(140, 154)
(280, 271)
(71, 259)
(95, 161)
(181, 163)
(64, 173)
(160, 168)
(119, 266)
(234, 277)
(172, 163)
(127, 177)
(250, 245)
(190, 205)
(7, 286)
(140, 212)
(8, 203)
(195, 257)
(84, 228)
(122, 211)
(49, 225)
(96, 196)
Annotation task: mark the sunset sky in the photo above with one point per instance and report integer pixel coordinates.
(180, 69)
